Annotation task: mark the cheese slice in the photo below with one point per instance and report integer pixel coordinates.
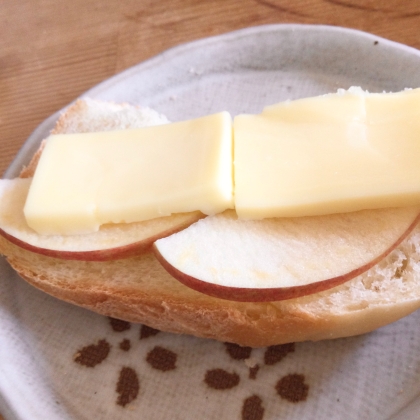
(85, 180)
(334, 153)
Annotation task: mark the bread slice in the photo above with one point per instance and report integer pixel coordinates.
(138, 289)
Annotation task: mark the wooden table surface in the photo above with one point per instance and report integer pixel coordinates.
(51, 51)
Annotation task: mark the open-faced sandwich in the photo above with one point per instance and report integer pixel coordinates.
(296, 224)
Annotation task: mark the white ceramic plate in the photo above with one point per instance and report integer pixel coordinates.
(376, 376)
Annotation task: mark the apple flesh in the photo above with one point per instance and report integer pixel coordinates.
(281, 258)
(114, 241)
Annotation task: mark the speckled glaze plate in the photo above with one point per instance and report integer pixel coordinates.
(58, 361)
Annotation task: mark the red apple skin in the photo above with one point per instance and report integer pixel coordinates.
(107, 254)
(116, 253)
(243, 294)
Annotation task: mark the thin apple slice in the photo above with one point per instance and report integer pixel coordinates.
(110, 242)
(281, 258)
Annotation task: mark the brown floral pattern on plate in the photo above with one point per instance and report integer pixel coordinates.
(291, 388)
(128, 386)
(93, 354)
(161, 359)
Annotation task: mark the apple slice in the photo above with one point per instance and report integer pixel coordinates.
(281, 258)
(111, 242)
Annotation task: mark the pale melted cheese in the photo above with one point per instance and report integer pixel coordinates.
(85, 180)
(329, 154)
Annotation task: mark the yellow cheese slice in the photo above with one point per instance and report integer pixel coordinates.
(334, 153)
(85, 180)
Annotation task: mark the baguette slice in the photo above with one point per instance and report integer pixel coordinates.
(138, 289)
(111, 241)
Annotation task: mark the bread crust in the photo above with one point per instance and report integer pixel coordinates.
(138, 289)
